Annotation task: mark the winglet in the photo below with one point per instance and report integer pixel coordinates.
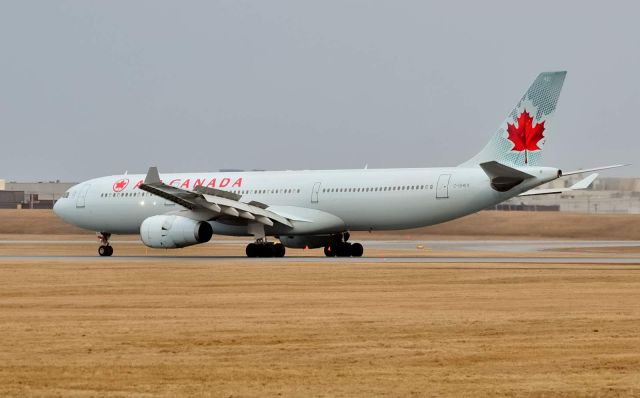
(153, 177)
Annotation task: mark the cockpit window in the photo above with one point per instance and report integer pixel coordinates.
(66, 194)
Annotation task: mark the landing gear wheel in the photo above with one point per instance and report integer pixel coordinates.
(356, 250)
(105, 251)
(343, 249)
(265, 250)
(279, 250)
(330, 251)
(252, 250)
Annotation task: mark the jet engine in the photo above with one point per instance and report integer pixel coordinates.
(170, 231)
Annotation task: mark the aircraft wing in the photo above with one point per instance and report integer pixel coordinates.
(582, 184)
(216, 202)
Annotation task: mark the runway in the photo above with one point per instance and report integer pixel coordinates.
(388, 251)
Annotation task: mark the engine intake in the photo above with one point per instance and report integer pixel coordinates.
(169, 232)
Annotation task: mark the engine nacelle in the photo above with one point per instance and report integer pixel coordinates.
(169, 231)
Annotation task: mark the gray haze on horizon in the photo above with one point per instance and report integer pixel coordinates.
(93, 88)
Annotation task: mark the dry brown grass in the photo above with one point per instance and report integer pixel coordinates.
(151, 327)
(38, 222)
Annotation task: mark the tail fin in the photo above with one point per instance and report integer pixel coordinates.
(520, 139)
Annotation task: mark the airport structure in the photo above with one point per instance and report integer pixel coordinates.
(31, 195)
(606, 195)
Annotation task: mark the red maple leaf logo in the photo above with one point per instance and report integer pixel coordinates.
(120, 185)
(525, 136)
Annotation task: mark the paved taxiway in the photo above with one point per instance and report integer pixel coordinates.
(529, 252)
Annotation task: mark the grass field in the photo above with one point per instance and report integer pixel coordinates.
(105, 327)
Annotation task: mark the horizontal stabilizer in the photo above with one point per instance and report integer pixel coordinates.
(582, 184)
(502, 177)
(496, 169)
(585, 182)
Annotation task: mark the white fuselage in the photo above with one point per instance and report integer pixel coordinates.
(359, 200)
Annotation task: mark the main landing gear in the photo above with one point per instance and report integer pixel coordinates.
(342, 248)
(265, 249)
(105, 249)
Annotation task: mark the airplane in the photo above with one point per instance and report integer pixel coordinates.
(320, 208)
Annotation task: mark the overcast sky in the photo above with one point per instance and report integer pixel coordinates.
(93, 88)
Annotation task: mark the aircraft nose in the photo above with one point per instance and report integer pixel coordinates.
(56, 207)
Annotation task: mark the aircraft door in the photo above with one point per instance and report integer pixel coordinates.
(442, 191)
(315, 192)
(82, 195)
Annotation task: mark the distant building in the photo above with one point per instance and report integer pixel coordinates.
(11, 199)
(606, 195)
(31, 195)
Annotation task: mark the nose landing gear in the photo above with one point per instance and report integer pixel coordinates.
(105, 249)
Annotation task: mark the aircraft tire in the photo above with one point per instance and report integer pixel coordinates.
(252, 250)
(105, 251)
(279, 250)
(267, 250)
(356, 250)
(330, 251)
(343, 249)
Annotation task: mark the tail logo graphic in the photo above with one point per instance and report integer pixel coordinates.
(524, 135)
